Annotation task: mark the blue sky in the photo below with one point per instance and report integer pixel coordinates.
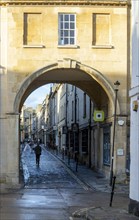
(37, 96)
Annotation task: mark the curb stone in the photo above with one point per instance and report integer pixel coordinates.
(101, 213)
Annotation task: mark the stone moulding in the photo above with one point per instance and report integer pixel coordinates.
(66, 2)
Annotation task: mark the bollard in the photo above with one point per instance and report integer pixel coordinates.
(112, 192)
(69, 158)
(77, 164)
(63, 154)
(56, 150)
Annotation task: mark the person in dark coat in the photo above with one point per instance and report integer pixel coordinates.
(38, 151)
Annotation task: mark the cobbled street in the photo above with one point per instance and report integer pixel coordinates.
(51, 174)
(59, 189)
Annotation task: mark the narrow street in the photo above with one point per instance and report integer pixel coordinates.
(52, 187)
(51, 174)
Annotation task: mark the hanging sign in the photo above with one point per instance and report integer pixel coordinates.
(98, 115)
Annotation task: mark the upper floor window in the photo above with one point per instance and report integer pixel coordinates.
(66, 29)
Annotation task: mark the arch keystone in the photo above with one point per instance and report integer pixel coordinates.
(67, 63)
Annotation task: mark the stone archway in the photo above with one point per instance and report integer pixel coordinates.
(65, 71)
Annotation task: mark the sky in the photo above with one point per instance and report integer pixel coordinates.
(38, 96)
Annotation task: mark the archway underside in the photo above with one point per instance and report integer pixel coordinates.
(73, 76)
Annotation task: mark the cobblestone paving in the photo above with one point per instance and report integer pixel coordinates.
(50, 174)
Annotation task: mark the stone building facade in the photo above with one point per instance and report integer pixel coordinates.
(27, 123)
(76, 42)
(71, 127)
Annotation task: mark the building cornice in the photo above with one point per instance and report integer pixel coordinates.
(65, 2)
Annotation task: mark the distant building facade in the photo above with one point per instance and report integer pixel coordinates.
(72, 128)
(27, 123)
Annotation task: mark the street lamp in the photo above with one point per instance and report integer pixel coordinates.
(42, 134)
(116, 84)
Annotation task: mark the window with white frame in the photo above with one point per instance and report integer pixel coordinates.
(66, 29)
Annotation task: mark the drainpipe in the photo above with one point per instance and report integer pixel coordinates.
(75, 102)
(67, 147)
(75, 108)
(90, 134)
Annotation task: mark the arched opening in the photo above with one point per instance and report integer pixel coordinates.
(82, 76)
(88, 80)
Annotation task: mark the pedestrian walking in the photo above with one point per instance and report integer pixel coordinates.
(38, 151)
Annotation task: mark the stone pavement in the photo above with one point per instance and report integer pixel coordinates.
(97, 182)
(22, 202)
(92, 179)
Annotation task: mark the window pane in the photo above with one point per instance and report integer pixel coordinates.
(66, 33)
(71, 33)
(71, 17)
(66, 17)
(66, 25)
(61, 17)
(61, 25)
(72, 26)
(71, 40)
(61, 41)
(61, 33)
(66, 41)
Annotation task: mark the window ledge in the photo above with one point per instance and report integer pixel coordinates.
(102, 46)
(33, 46)
(68, 46)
